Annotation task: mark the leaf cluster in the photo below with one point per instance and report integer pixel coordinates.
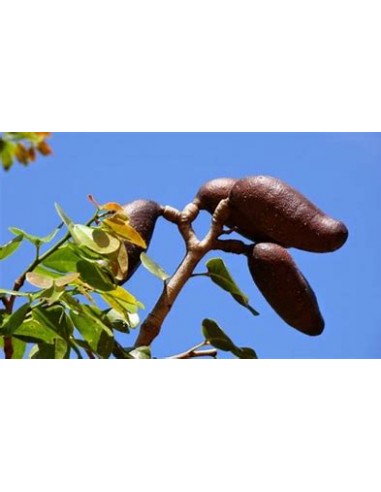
(61, 313)
(22, 147)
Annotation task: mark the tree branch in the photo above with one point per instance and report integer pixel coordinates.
(196, 250)
(191, 354)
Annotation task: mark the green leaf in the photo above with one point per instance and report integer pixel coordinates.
(57, 350)
(95, 239)
(55, 318)
(122, 323)
(51, 295)
(245, 353)
(7, 153)
(215, 336)
(71, 302)
(93, 275)
(153, 267)
(37, 241)
(65, 219)
(87, 254)
(141, 353)
(15, 320)
(32, 331)
(18, 348)
(221, 276)
(218, 338)
(99, 337)
(9, 248)
(46, 272)
(63, 260)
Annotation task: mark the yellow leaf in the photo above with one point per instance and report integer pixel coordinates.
(38, 280)
(67, 279)
(44, 148)
(112, 207)
(124, 295)
(119, 263)
(22, 153)
(121, 300)
(125, 231)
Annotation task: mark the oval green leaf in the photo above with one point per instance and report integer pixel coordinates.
(37, 241)
(15, 320)
(32, 331)
(93, 275)
(95, 239)
(99, 337)
(63, 260)
(67, 221)
(9, 248)
(153, 267)
(220, 275)
(216, 336)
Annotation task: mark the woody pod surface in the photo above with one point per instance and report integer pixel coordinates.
(285, 288)
(142, 215)
(264, 208)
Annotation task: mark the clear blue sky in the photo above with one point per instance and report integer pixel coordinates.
(340, 172)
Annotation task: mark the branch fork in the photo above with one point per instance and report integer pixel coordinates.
(196, 250)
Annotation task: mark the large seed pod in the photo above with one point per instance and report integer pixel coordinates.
(264, 208)
(142, 215)
(285, 288)
(211, 193)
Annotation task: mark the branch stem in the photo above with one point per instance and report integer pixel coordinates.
(195, 352)
(196, 250)
(150, 329)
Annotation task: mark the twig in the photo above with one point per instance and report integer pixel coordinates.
(8, 347)
(196, 250)
(195, 353)
(90, 354)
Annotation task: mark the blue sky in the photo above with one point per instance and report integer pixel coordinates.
(340, 172)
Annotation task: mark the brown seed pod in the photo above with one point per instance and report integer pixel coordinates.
(285, 288)
(264, 208)
(142, 215)
(211, 193)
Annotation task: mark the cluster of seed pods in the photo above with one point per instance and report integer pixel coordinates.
(275, 217)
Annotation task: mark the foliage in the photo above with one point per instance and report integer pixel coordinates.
(74, 303)
(60, 314)
(70, 301)
(23, 147)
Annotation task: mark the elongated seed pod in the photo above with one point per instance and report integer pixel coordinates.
(142, 215)
(264, 208)
(285, 288)
(211, 193)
